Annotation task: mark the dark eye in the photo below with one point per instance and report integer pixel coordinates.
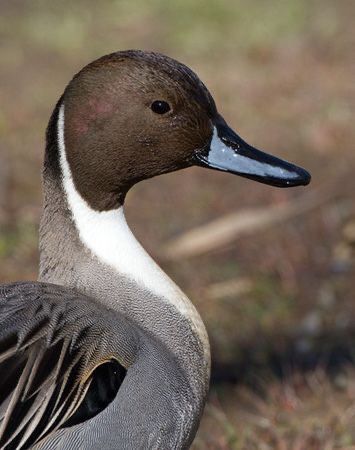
(160, 107)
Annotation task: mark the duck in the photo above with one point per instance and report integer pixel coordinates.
(104, 351)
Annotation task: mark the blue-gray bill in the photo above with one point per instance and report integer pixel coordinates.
(229, 153)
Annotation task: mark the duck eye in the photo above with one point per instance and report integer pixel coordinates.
(160, 107)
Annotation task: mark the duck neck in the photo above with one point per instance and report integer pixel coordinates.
(97, 254)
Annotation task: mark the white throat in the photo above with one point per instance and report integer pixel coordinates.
(107, 235)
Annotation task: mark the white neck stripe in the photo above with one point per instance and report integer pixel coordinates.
(107, 235)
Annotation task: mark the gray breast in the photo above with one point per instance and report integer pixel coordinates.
(154, 406)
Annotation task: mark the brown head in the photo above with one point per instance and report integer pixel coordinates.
(133, 115)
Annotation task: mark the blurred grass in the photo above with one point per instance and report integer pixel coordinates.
(281, 74)
(196, 26)
(306, 413)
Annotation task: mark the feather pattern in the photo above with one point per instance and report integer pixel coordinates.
(58, 360)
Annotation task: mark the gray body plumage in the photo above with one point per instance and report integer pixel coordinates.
(37, 316)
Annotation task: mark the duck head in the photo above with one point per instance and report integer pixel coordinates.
(133, 115)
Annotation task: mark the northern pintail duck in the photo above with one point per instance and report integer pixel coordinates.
(105, 351)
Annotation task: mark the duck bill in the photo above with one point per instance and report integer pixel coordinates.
(229, 153)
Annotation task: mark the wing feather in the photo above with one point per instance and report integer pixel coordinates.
(52, 341)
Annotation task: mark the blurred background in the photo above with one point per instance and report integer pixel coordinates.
(272, 271)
